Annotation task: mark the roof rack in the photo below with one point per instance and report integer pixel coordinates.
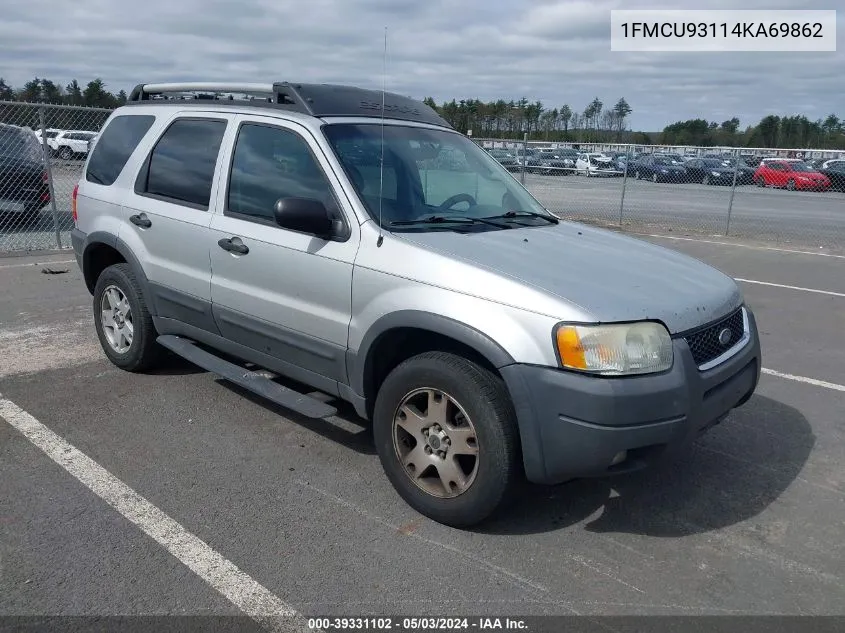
(318, 100)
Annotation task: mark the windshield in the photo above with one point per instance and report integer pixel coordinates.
(662, 160)
(426, 172)
(714, 162)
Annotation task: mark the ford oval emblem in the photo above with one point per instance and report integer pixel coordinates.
(725, 336)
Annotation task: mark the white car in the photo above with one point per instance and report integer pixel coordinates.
(595, 164)
(68, 144)
(51, 134)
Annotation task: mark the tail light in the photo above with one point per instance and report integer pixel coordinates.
(45, 194)
(73, 203)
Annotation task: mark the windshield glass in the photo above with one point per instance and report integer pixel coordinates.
(713, 162)
(426, 172)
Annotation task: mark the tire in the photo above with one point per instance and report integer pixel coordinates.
(142, 352)
(654, 177)
(761, 182)
(790, 185)
(706, 179)
(65, 153)
(489, 479)
(637, 175)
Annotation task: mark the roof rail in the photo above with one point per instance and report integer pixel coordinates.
(277, 94)
(318, 100)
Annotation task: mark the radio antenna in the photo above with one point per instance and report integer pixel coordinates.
(381, 162)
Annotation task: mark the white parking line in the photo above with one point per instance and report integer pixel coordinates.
(240, 589)
(804, 379)
(768, 283)
(759, 248)
(58, 261)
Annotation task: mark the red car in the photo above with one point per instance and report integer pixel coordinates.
(790, 174)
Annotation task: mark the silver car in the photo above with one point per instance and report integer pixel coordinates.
(373, 254)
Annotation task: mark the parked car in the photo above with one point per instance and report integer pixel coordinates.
(658, 169)
(486, 340)
(560, 162)
(718, 171)
(835, 172)
(709, 171)
(69, 144)
(506, 158)
(51, 134)
(24, 189)
(528, 157)
(791, 175)
(595, 164)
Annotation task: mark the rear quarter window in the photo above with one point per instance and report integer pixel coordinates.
(115, 145)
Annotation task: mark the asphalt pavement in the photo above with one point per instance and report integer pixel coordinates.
(751, 520)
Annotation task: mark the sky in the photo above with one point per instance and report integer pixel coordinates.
(554, 51)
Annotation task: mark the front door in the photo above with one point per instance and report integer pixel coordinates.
(286, 294)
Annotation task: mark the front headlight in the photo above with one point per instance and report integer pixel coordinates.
(614, 350)
(715, 173)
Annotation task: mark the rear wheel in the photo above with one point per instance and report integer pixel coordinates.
(654, 177)
(790, 185)
(123, 322)
(706, 179)
(65, 153)
(447, 438)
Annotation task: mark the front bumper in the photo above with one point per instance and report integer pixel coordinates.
(572, 425)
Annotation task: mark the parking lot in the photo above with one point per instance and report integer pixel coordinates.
(238, 503)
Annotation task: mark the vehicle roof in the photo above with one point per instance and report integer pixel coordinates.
(310, 100)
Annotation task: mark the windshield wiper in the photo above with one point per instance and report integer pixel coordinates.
(444, 219)
(525, 214)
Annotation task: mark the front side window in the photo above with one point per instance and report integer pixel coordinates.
(270, 163)
(181, 166)
(425, 172)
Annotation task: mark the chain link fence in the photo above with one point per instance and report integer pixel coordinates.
(756, 193)
(42, 150)
(646, 189)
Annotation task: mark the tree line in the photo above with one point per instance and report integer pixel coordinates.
(513, 119)
(40, 90)
(598, 124)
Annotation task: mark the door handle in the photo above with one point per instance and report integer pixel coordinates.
(141, 220)
(233, 245)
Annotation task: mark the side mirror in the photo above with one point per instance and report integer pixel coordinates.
(305, 215)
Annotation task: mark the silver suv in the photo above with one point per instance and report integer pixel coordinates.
(353, 242)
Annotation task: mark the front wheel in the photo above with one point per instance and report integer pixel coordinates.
(446, 435)
(654, 177)
(123, 322)
(790, 185)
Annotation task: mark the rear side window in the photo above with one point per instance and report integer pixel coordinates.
(181, 165)
(115, 145)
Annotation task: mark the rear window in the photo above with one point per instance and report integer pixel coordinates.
(115, 145)
(19, 143)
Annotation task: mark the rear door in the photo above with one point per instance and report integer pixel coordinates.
(166, 217)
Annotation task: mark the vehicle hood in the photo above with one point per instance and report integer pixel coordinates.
(608, 275)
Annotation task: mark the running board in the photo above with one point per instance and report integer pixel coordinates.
(252, 381)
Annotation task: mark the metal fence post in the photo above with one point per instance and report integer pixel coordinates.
(524, 157)
(733, 191)
(624, 182)
(45, 148)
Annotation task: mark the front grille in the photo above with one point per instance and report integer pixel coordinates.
(704, 344)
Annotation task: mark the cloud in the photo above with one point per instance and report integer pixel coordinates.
(554, 51)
